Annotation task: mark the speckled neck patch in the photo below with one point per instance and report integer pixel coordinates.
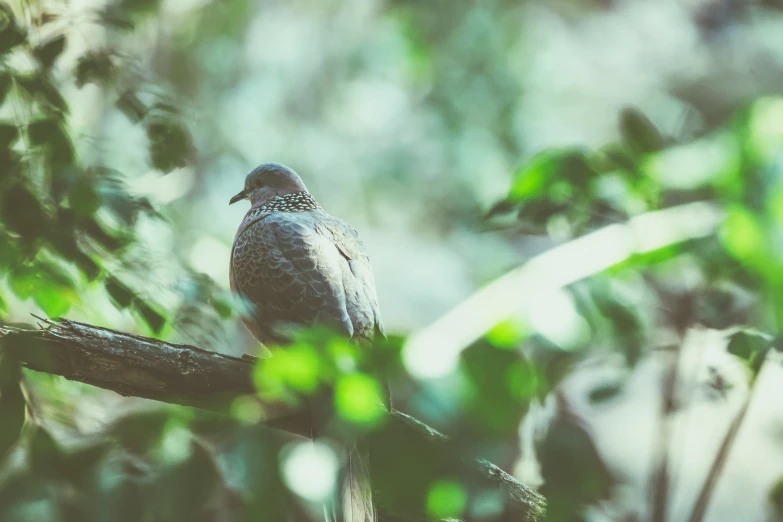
(296, 202)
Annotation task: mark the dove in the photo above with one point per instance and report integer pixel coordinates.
(296, 266)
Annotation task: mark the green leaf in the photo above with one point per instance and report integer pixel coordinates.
(10, 166)
(25, 497)
(130, 105)
(88, 267)
(531, 179)
(53, 136)
(23, 213)
(751, 348)
(539, 175)
(154, 319)
(358, 398)
(575, 169)
(614, 157)
(10, 370)
(500, 208)
(113, 16)
(5, 84)
(114, 195)
(52, 273)
(724, 305)
(41, 89)
(638, 132)
(108, 240)
(11, 34)
(268, 498)
(82, 463)
(45, 131)
(392, 478)
(121, 295)
(22, 281)
(124, 500)
(51, 94)
(56, 292)
(83, 197)
(776, 497)
(298, 368)
(573, 470)
(743, 236)
(446, 499)
(182, 490)
(62, 239)
(94, 67)
(507, 334)
(604, 392)
(44, 18)
(54, 300)
(499, 384)
(222, 307)
(539, 211)
(46, 455)
(9, 133)
(50, 287)
(47, 53)
(170, 144)
(12, 403)
(140, 432)
(137, 7)
(10, 252)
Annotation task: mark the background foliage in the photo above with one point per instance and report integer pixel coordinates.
(460, 139)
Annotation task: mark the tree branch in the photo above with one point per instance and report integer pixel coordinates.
(138, 366)
(132, 365)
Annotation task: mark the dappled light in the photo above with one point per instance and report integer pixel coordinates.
(375, 261)
(310, 470)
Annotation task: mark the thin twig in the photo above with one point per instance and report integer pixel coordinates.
(660, 478)
(702, 501)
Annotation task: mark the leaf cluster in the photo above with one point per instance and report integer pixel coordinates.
(64, 222)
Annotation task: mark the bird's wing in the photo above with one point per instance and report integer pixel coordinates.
(359, 283)
(290, 273)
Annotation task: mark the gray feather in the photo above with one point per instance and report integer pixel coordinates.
(302, 268)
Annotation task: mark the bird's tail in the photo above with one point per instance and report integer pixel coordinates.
(354, 502)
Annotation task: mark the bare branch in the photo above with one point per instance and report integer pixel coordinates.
(132, 365)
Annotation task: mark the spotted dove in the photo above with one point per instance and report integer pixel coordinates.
(296, 265)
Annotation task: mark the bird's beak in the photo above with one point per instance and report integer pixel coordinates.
(242, 195)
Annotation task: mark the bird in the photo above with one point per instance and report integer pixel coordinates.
(296, 266)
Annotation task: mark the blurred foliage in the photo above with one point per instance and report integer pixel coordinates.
(69, 223)
(574, 473)
(64, 223)
(12, 403)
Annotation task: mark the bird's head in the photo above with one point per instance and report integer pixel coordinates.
(267, 181)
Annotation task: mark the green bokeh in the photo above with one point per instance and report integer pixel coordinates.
(446, 499)
(358, 398)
